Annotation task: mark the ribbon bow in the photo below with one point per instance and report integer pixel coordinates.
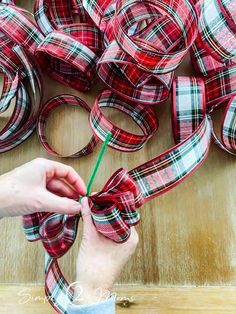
(113, 212)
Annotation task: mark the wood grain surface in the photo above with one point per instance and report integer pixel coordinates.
(187, 236)
(131, 300)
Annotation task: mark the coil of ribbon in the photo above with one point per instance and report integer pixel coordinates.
(140, 57)
(46, 110)
(70, 50)
(134, 46)
(19, 70)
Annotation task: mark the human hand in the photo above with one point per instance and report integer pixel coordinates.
(38, 186)
(100, 261)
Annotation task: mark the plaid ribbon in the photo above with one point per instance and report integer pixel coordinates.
(228, 133)
(202, 61)
(23, 31)
(22, 80)
(127, 60)
(100, 11)
(114, 208)
(216, 24)
(131, 65)
(212, 56)
(113, 212)
(122, 74)
(173, 30)
(221, 91)
(51, 105)
(70, 50)
(121, 140)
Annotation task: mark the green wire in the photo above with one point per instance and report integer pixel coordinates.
(98, 162)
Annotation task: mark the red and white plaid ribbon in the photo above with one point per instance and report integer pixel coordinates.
(142, 44)
(122, 140)
(70, 50)
(22, 78)
(131, 64)
(52, 104)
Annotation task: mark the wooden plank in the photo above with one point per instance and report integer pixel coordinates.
(187, 236)
(20, 299)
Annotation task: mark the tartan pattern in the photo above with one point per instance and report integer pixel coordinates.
(228, 134)
(170, 168)
(97, 10)
(215, 25)
(51, 15)
(220, 85)
(119, 70)
(57, 289)
(218, 70)
(70, 50)
(164, 172)
(19, 70)
(202, 61)
(47, 109)
(189, 108)
(182, 13)
(41, 8)
(23, 31)
(123, 75)
(121, 140)
(9, 90)
(126, 58)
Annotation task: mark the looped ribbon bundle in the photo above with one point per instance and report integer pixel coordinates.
(134, 46)
(144, 44)
(22, 78)
(70, 50)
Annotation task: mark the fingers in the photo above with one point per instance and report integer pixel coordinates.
(57, 204)
(61, 188)
(86, 215)
(58, 170)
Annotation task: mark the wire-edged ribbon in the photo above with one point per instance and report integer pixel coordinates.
(140, 56)
(114, 209)
(17, 26)
(213, 55)
(70, 50)
(22, 79)
(217, 28)
(47, 109)
(143, 42)
(122, 140)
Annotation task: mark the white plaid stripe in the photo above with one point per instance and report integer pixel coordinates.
(216, 31)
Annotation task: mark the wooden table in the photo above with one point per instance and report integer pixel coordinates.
(187, 236)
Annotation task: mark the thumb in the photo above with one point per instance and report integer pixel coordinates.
(57, 204)
(86, 216)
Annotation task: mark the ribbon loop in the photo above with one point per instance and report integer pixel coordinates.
(122, 140)
(114, 208)
(216, 24)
